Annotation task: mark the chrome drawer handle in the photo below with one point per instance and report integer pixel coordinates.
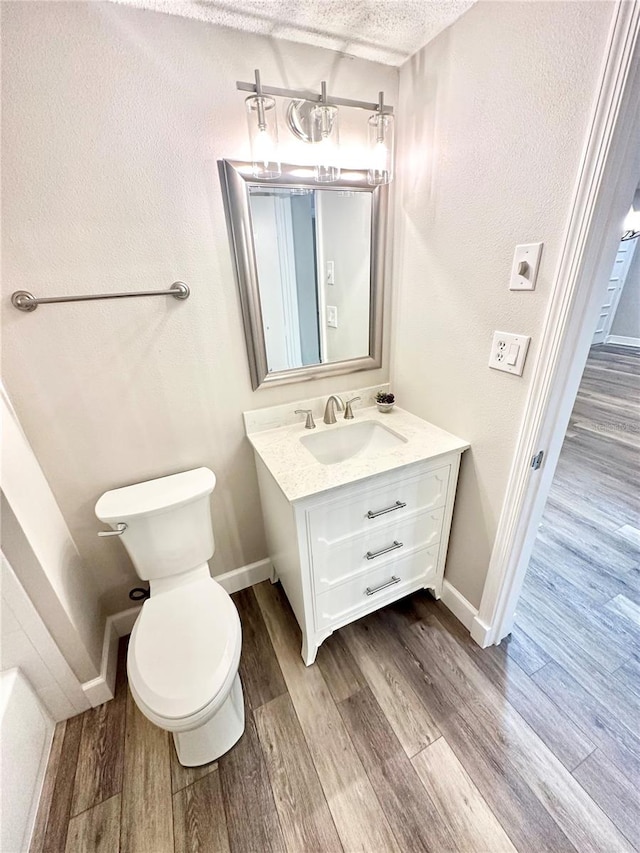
(382, 586)
(376, 513)
(371, 555)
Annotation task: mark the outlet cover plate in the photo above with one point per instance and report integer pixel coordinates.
(527, 254)
(508, 352)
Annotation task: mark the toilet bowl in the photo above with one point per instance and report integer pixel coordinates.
(184, 650)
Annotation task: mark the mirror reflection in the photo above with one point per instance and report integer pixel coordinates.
(313, 257)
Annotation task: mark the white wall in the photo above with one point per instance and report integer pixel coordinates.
(37, 542)
(493, 116)
(113, 120)
(626, 322)
(28, 645)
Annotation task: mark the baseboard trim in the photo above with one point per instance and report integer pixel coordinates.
(102, 688)
(481, 633)
(462, 609)
(245, 576)
(622, 341)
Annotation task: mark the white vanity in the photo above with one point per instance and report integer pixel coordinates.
(356, 513)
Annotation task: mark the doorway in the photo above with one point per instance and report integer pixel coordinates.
(580, 604)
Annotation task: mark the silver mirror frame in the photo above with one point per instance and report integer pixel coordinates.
(235, 176)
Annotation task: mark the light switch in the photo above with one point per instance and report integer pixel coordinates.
(332, 316)
(524, 270)
(331, 272)
(508, 352)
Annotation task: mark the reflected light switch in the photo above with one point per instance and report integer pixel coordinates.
(331, 273)
(332, 316)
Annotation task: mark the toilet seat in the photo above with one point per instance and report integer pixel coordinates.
(184, 654)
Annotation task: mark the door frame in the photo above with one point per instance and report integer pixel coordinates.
(608, 175)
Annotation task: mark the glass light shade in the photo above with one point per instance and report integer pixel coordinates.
(381, 143)
(263, 135)
(326, 137)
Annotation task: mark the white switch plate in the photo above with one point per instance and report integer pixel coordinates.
(524, 278)
(331, 272)
(508, 352)
(332, 316)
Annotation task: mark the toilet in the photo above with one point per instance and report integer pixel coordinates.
(184, 650)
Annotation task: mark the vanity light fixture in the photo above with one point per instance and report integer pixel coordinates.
(313, 118)
(263, 133)
(381, 143)
(325, 134)
(631, 225)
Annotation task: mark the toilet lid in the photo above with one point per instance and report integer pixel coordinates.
(184, 648)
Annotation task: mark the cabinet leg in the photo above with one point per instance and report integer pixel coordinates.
(309, 652)
(435, 591)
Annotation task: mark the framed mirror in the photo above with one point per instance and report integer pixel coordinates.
(309, 262)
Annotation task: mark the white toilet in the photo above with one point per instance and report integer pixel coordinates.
(184, 650)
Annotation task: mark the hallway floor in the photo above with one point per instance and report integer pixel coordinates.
(404, 736)
(577, 632)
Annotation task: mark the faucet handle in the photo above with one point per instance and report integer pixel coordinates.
(120, 529)
(309, 423)
(348, 413)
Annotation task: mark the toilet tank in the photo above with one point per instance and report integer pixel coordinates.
(168, 520)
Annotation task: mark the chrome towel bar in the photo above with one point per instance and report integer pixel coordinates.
(25, 301)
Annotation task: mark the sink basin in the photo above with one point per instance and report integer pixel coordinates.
(363, 439)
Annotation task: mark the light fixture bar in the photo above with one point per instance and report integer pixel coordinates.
(314, 97)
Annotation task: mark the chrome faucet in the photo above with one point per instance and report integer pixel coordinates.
(330, 408)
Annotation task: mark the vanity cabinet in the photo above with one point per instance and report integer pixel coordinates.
(349, 550)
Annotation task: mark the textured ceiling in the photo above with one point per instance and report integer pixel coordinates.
(387, 31)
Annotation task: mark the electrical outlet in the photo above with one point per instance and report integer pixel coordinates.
(508, 352)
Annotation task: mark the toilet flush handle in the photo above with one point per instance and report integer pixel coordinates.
(120, 529)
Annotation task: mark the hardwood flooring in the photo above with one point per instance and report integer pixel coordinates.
(405, 735)
(475, 755)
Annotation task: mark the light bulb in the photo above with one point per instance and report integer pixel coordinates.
(263, 148)
(326, 152)
(263, 135)
(380, 157)
(381, 139)
(326, 136)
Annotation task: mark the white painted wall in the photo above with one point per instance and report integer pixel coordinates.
(113, 120)
(493, 115)
(626, 322)
(27, 644)
(37, 542)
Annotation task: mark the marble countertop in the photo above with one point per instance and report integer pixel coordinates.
(300, 475)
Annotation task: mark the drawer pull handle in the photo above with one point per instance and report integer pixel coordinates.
(382, 586)
(376, 513)
(371, 555)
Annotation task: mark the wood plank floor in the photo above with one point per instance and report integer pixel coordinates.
(405, 735)
(577, 628)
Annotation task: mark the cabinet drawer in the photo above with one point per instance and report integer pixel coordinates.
(379, 586)
(336, 562)
(374, 507)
